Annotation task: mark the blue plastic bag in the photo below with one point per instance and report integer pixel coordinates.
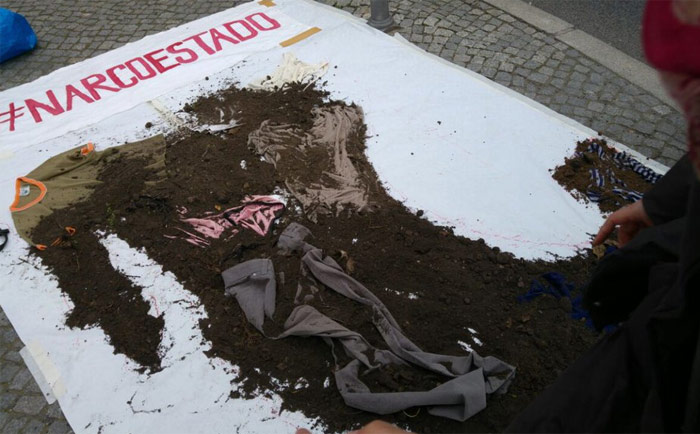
(16, 35)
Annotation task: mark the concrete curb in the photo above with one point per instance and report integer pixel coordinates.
(620, 63)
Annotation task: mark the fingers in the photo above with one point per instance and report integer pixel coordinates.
(303, 431)
(627, 232)
(605, 230)
(631, 219)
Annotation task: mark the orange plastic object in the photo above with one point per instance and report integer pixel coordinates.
(87, 149)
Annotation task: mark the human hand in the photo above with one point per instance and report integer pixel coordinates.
(629, 220)
(375, 427)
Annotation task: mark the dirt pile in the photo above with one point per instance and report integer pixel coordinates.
(446, 292)
(599, 173)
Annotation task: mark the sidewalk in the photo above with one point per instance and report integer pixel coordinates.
(469, 33)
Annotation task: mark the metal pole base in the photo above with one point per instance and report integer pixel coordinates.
(380, 18)
(382, 25)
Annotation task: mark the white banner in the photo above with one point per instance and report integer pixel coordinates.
(116, 81)
(465, 150)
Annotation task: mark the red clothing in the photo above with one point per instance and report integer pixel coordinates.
(673, 47)
(669, 44)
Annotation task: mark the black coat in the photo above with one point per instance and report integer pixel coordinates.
(644, 376)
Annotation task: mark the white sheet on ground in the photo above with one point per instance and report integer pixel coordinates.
(467, 151)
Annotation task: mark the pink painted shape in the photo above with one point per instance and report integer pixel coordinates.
(256, 213)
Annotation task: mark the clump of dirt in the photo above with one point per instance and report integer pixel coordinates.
(594, 156)
(442, 289)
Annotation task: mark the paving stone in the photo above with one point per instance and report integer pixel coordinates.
(7, 400)
(8, 371)
(666, 128)
(538, 77)
(503, 77)
(12, 356)
(672, 153)
(54, 411)
(644, 127)
(30, 404)
(596, 106)
(14, 425)
(21, 379)
(59, 427)
(34, 426)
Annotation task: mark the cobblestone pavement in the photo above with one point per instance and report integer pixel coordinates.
(469, 33)
(22, 406)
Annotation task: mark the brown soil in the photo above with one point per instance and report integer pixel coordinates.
(459, 283)
(574, 175)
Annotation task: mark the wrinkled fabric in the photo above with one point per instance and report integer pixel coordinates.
(257, 213)
(254, 286)
(558, 287)
(473, 376)
(292, 70)
(340, 186)
(624, 161)
(71, 177)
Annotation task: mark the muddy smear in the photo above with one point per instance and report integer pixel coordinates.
(437, 285)
(101, 295)
(575, 175)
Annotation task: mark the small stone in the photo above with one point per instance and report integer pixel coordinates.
(148, 125)
(420, 213)
(467, 300)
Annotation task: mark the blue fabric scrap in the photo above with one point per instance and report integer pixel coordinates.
(558, 287)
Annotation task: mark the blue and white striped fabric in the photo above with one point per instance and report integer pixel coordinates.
(623, 161)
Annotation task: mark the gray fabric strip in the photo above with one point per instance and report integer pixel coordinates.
(254, 286)
(473, 376)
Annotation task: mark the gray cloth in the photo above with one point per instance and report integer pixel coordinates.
(473, 376)
(254, 286)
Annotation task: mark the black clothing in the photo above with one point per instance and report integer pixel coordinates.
(644, 376)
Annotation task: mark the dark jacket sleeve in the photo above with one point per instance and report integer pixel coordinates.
(668, 199)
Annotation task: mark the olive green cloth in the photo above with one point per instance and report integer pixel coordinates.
(71, 177)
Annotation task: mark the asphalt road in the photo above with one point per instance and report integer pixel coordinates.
(616, 22)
